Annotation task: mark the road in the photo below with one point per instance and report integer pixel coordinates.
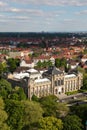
(77, 103)
(74, 97)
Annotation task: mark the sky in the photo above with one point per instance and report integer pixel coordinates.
(43, 15)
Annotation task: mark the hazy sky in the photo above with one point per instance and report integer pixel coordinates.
(43, 15)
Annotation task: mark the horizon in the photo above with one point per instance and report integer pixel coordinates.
(44, 32)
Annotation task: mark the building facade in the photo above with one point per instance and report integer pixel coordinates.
(54, 82)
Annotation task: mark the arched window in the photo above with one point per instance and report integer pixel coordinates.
(56, 91)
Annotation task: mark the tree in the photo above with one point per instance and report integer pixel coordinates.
(21, 94)
(4, 64)
(35, 54)
(13, 64)
(44, 64)
(14, 96)
(49, 105)
(17, 94)
(72, 122)
(3, 68)
(3, 116)
(17, 61)
(84, 87)
(35, 98)
(81, 111)
(57, 62)
(15, 111)
(5, 88)
(60, 62)
(81, 70)
(39, 64)
(62, 110)
(50, 123)
(49, 63)
(32, 113)
(63, 62)
(52, 108)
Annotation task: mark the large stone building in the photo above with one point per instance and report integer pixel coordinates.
(48, 82)
(54, 82)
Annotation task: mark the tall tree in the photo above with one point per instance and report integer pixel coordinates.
(81, 111)
(52, 108)
(5, 88)
(3, 117)
(72, 122)
(13, 64)
(84, 82)
(60, 62)
(57, 62)
(17, 93)
(15, 111)
(32, 113)
(49, 105)
(39, 64)
(49, 63)
(3, 68)
(50, 123)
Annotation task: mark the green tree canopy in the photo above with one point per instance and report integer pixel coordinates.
(50, 123)
(15, 114)
(52, 108)
(49, 105)
(44, 64)
(32, 113)
(13, 64)
(49, 63)
(3, 116)
(57, 62)
(84, 82)
(72, 122)
(17, 93)
(1, 69)
(39, 64)
(5, 88)
(60, 62)
(62, 110)
(81, 111)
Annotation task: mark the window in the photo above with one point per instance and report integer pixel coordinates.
(56, 91)
(55, 83)
(59, 83)
(62, 82)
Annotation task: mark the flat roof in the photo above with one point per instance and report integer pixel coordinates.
(32, 70)
(42, 80)
(70, 76)
(21, 75)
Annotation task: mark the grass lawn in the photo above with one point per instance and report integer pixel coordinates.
(72, 93)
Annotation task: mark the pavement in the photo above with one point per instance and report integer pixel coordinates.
(64, 97)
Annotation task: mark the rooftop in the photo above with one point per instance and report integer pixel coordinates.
(42, 80)
(32, 71)
(54, 71)
(20, 75)
(70, 76)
